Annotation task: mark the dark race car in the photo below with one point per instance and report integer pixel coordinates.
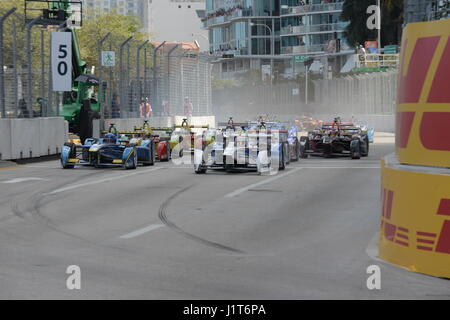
(335, 139)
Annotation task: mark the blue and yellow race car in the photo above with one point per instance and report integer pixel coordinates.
(113, 150)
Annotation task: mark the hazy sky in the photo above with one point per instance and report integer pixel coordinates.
(170, 23)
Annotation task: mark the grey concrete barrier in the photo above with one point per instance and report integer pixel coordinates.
(5, 139)
(25, 138)
(31, 138)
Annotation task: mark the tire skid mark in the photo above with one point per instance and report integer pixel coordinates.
(33, 204)
(163, 217)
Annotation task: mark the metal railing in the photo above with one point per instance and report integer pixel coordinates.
(303, 49)
(377, 61)
(312, 8)
(137, 76)
(305, 29)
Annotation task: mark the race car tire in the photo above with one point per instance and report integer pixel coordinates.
(133, 165)
(168, 152)
(282, 164)
(67, 166)
(153, 153)
(71, 145)
(151, 157)
(286, 153)
(295, 156)
(72, 154)
(355, 150)
(200, 169)
(367, 143)
(304, 147)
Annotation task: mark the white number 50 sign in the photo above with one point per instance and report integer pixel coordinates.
(62, 61)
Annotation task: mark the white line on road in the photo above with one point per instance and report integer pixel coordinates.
(141, 231)
(80, 185)
(244, 189)
(353, 167)
(18, 180)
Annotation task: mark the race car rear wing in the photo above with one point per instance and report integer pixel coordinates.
(192, 126)
(235, 124)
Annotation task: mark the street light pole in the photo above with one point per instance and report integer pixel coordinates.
(379, 26)
(100, 74)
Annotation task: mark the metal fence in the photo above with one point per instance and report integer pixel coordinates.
(426, 10)
(372, 93)
(168, 80)
(358, 94)
(25, 81)
(252, 100)
(183, 77)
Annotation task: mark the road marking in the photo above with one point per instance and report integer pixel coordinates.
(90, 183)
(254, 185)
(18, 180)
(141, 231)
(52, 167)
(354, 167)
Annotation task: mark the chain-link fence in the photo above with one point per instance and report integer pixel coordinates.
(183, 81)
(25, 81)
(252, 100)
(357, 94)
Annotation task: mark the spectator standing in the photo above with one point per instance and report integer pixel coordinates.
(188, 107)
(145, 109)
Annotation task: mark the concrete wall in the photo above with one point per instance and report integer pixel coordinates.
(31, 138)
(5, 139)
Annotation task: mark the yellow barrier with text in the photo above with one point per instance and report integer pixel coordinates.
(415, 219)
(423, 103)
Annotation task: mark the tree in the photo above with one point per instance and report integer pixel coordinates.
(97, 25)
(355, 11)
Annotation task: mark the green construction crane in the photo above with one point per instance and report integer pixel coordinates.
(86, 89)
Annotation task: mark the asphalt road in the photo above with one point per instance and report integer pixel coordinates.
(165, 233)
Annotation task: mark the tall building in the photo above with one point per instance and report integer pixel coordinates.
(138, 8)
(426, 10)
(270, 32)
(178, 21)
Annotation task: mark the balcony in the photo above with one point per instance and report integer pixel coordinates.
(297, 30)
(302, 49)
(227, 17)
(312, 8)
